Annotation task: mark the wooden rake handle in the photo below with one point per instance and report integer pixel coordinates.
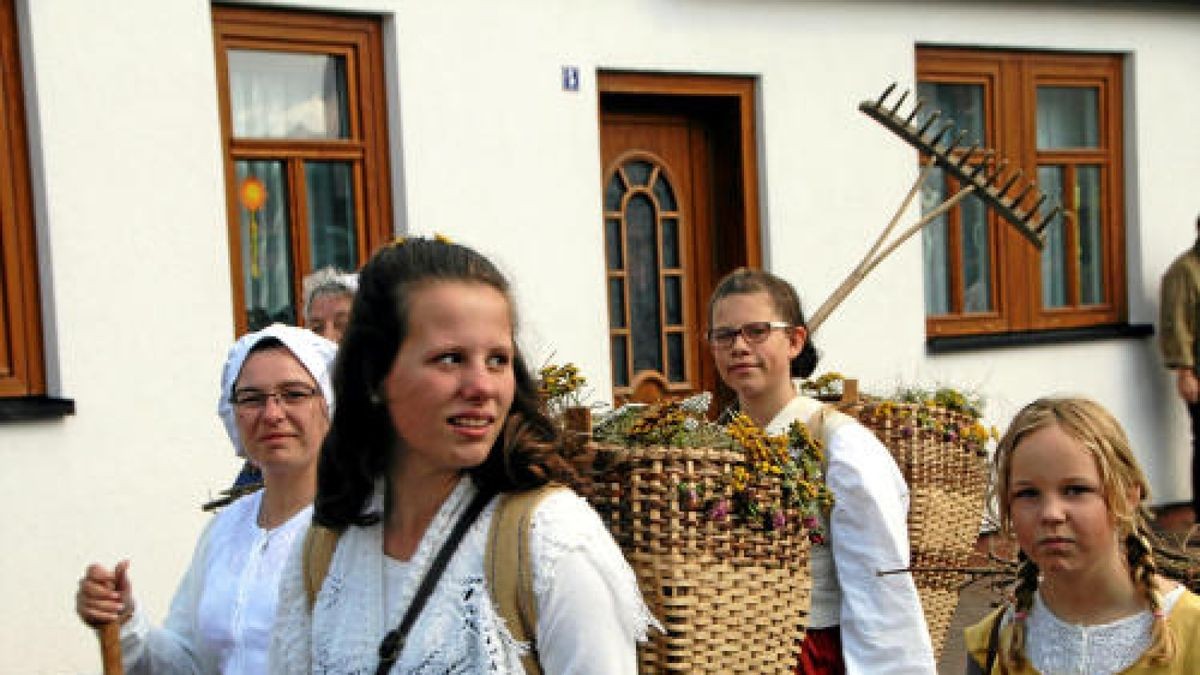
(110, 648)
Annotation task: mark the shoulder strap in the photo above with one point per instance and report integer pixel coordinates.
(993, 646)
(824, 422)
(509, 568)
(319, 544)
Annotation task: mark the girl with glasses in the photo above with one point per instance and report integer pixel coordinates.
(438, 425)
(859, 622)
(275, 402)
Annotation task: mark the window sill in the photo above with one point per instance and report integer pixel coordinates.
(30, 408)
(965, 343)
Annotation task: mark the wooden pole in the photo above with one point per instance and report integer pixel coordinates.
(110, 648)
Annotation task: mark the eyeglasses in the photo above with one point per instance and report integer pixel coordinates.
(254, 401)
(754, 332)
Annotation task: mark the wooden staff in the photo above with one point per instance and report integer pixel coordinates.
(110, 647)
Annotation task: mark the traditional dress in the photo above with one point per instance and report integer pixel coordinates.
(1062, 648)
(590, 612)
(221, 616)
(880, 618)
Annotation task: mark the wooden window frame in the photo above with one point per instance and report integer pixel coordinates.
(1010, 80)
(22, 367)
(359, 41)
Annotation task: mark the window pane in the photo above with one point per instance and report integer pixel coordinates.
(670, 237)
(612, 243)
(934, 245)
(1067, 117)
(644, 300)
(976, 257)
(962, 103)
(674, 291)
(675, 358)
(620, 360)
(331, 227)
(287, 95)
(266, 243)
(664, 194)
(616, 303)
(1091, 243)
(614, 192)
(638, 173)
(1054, 274)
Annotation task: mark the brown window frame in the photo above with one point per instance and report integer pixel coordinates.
(359, 40)
(1010, 80)
(22, 367)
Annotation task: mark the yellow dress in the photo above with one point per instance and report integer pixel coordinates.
(1183, 622)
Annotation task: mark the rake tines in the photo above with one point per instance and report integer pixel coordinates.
(990, 185)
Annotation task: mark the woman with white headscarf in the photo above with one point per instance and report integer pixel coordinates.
(276, 402)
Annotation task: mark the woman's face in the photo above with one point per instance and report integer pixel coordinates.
(1057, 506)
(754, 370)
(328, 314)
(451, 386)
(283, 431)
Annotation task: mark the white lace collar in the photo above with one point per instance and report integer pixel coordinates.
(1056, 646)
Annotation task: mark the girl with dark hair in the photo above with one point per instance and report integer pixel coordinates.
(859, 622)
(1089, 596)
(438, 422)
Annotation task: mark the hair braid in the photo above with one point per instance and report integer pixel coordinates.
(1144, 570)
(1027, 583)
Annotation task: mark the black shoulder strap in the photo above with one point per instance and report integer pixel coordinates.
(393, 642)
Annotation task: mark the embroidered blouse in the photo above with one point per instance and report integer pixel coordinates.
(590, 611)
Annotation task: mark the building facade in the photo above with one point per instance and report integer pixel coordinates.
(174, 168)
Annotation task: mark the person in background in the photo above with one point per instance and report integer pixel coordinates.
(438, 421)
(1179, 342)
(1090, 597)
(328, 296)
(275, 401)
(860, 622)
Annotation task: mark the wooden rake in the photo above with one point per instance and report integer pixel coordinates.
(944, 148)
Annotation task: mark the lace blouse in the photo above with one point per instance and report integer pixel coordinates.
(590, 612)
(1062, 648)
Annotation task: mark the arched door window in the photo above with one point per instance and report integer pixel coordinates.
(645, 233)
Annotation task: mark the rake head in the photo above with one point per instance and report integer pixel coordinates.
(937, 139)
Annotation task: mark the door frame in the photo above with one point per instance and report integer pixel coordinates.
(672, 91)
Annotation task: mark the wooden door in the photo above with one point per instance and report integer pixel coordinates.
(675, 220)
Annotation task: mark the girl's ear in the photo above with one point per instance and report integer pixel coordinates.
(797, 336)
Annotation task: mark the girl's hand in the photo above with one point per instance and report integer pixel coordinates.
(104, 596)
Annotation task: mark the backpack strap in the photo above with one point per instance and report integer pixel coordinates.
(319, 544)
(509, 567)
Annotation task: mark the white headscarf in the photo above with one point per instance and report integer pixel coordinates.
(313, 351)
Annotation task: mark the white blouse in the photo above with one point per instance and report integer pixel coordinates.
(590, 611)
(881, 620)
(221, 616)
(1055, 646)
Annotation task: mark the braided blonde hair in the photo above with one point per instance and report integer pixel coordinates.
(1125, 492)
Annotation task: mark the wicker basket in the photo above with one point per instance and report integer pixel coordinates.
(732, 597)
(946, 483)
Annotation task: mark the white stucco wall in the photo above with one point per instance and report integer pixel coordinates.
(490, 150)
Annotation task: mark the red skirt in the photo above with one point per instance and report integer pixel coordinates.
(821, 653)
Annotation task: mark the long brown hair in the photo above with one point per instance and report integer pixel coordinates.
(361, 439)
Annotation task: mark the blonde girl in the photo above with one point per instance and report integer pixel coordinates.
(1089, 596)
